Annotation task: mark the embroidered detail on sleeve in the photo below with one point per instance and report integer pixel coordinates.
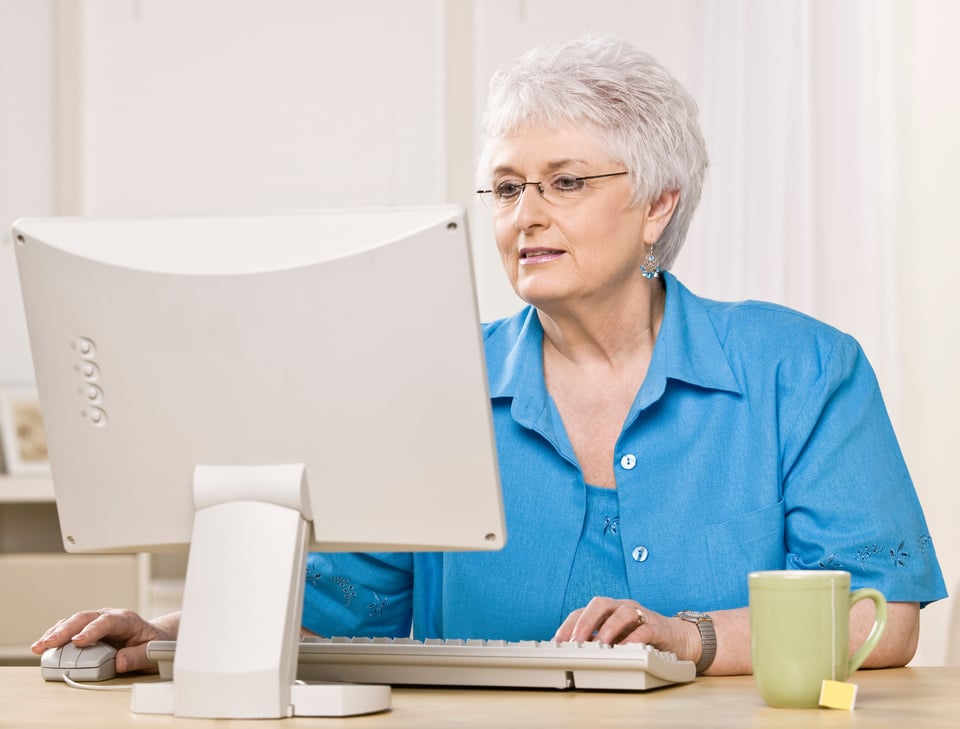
(831, 562)
(899, 556)
(314, 576)
(349, 591)
(375, 608)
(866, 553)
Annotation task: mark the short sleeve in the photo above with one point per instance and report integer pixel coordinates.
(849, 501)
(358, 595)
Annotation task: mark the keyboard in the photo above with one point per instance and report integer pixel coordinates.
(523, 664)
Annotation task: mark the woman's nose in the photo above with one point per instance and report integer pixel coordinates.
(530, 209)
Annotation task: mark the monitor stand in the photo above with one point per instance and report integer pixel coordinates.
(242, 606)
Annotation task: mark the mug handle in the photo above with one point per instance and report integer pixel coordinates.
(879, 623)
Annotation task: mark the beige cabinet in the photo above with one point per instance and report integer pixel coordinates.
(40, 583)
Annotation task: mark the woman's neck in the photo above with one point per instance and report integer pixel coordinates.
(612, 330)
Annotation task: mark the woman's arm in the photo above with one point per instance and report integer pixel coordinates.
(617, 621)
(899, 642)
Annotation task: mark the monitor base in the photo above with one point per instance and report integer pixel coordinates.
(317, 699)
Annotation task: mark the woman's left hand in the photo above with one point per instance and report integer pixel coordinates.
(610, 621)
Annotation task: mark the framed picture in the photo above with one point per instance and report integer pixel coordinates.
(21, 433)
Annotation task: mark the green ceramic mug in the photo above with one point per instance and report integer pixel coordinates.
(799, 632)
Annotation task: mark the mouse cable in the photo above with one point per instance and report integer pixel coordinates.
(93, 687)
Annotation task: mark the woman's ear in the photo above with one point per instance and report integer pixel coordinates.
(659, 213)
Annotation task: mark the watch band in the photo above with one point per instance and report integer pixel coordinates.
(708, 636)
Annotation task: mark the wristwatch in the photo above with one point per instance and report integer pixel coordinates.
(708, 636)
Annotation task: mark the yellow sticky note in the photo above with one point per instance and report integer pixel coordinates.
(838, 694)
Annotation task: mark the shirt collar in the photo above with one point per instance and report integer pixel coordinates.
(688, 349)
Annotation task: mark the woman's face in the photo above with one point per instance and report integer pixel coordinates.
(561, 251)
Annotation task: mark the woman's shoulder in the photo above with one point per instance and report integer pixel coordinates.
(765, 336)
(752, 320)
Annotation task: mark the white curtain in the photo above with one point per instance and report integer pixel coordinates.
(798, 103)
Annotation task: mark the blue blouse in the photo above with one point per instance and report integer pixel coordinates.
(758, 440)
(598, 563)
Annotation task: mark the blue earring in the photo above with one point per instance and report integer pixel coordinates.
(650, 268)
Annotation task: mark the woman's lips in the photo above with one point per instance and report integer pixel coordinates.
(530, 256)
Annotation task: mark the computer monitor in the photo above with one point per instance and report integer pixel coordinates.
(257, 386)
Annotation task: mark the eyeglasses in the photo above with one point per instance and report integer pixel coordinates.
(560, 188)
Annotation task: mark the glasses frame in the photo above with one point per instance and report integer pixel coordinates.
(539, 184)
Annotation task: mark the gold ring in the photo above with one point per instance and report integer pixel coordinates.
(641, 618)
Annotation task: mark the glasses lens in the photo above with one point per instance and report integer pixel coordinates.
(564, 187)
(509, 191)
(486, 198)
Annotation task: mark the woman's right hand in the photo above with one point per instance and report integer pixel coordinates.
(123, 629)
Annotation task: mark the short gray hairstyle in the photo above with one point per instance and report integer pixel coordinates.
(644, 118)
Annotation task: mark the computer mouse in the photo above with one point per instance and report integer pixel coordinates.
(95, 662)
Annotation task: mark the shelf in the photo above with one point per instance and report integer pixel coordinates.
(42, 588)
(26, 489)
(17, 655)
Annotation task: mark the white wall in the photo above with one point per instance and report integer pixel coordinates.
(246, 105)
(241, 104)
(26, 157)
(928, 259)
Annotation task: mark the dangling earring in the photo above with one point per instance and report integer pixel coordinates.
(650, 268)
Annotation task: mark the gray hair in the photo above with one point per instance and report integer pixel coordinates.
(644, 117)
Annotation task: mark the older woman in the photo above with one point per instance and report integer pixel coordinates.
(655, 446)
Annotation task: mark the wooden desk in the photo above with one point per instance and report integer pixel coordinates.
(902, 698)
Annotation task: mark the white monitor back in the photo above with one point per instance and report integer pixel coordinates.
(344, 340)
